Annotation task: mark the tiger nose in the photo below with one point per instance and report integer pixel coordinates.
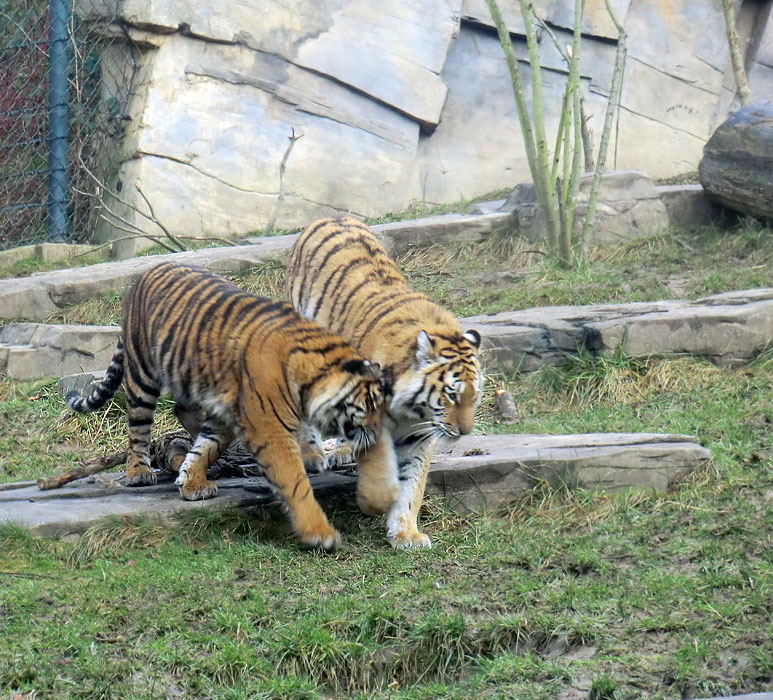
(466, 426)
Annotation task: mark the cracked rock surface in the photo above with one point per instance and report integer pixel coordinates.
(424, 113)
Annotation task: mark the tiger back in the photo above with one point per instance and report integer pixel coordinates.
(339, 275)
(252, 367)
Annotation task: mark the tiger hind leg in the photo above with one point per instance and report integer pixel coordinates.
(140, 407)
(192, 480)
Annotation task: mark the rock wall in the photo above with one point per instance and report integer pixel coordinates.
(397, 101)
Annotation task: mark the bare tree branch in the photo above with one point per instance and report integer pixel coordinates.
(280, 197)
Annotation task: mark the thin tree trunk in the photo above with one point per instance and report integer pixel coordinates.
(542, 181)
(736, 55)
(612, 107)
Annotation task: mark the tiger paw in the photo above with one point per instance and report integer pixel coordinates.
(191, 491)
(410, 539)
(140, 477)
(326, 537)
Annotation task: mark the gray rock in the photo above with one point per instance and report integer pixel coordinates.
(688, 205)
(737, 163)
(401, 236)
(477, 472)
(35, 350)
(36, 297)
(628, 207)
(729, 329)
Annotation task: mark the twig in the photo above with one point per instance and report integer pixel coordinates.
(90, 467)
(280, 197)
(24, 574)
(155, 220)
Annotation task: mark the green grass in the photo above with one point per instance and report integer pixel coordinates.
(629, 595)
(640, 594)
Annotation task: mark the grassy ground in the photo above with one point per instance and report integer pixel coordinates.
(562, 595)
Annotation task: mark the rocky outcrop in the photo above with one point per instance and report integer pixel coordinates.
(423, 112)
(36, 297)
(729, 329)
(737, 163)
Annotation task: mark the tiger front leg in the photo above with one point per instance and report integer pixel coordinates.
(192, 480)
(280, 457)
(377, 484)
(402, 520)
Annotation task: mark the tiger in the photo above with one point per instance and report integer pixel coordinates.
(253, 368)
(339, 275)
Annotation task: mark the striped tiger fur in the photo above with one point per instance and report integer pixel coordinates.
(253, 368)
(339, 275)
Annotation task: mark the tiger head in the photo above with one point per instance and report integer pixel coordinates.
(443, 385)
(349, 402)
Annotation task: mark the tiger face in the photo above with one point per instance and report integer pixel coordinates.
(444, 387)
(351, 403)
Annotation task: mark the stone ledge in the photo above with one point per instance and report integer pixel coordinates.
(36, 297)
(475, 473)
(730, 329)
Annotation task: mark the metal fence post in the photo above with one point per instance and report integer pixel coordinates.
(57, 130)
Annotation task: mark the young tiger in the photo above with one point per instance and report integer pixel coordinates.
(252, 367)
(340, 276)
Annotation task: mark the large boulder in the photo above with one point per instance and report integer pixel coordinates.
(737, 163)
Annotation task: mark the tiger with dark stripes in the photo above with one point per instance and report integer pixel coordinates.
(339, 275)
(253, 368)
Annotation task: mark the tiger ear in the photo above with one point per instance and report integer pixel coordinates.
(365, 368)
(425, 348)
(473, 338)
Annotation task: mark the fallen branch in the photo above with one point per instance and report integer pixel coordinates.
(92, 466)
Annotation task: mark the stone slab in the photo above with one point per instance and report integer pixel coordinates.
(729, 329)
(34, 350)
(36, 297)
(475, 473)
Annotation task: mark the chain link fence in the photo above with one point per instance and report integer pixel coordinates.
(66, 75)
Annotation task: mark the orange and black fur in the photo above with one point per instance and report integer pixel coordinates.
(252, 367)
(339, 275)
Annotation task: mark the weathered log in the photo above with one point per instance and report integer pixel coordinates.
(737, 163)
